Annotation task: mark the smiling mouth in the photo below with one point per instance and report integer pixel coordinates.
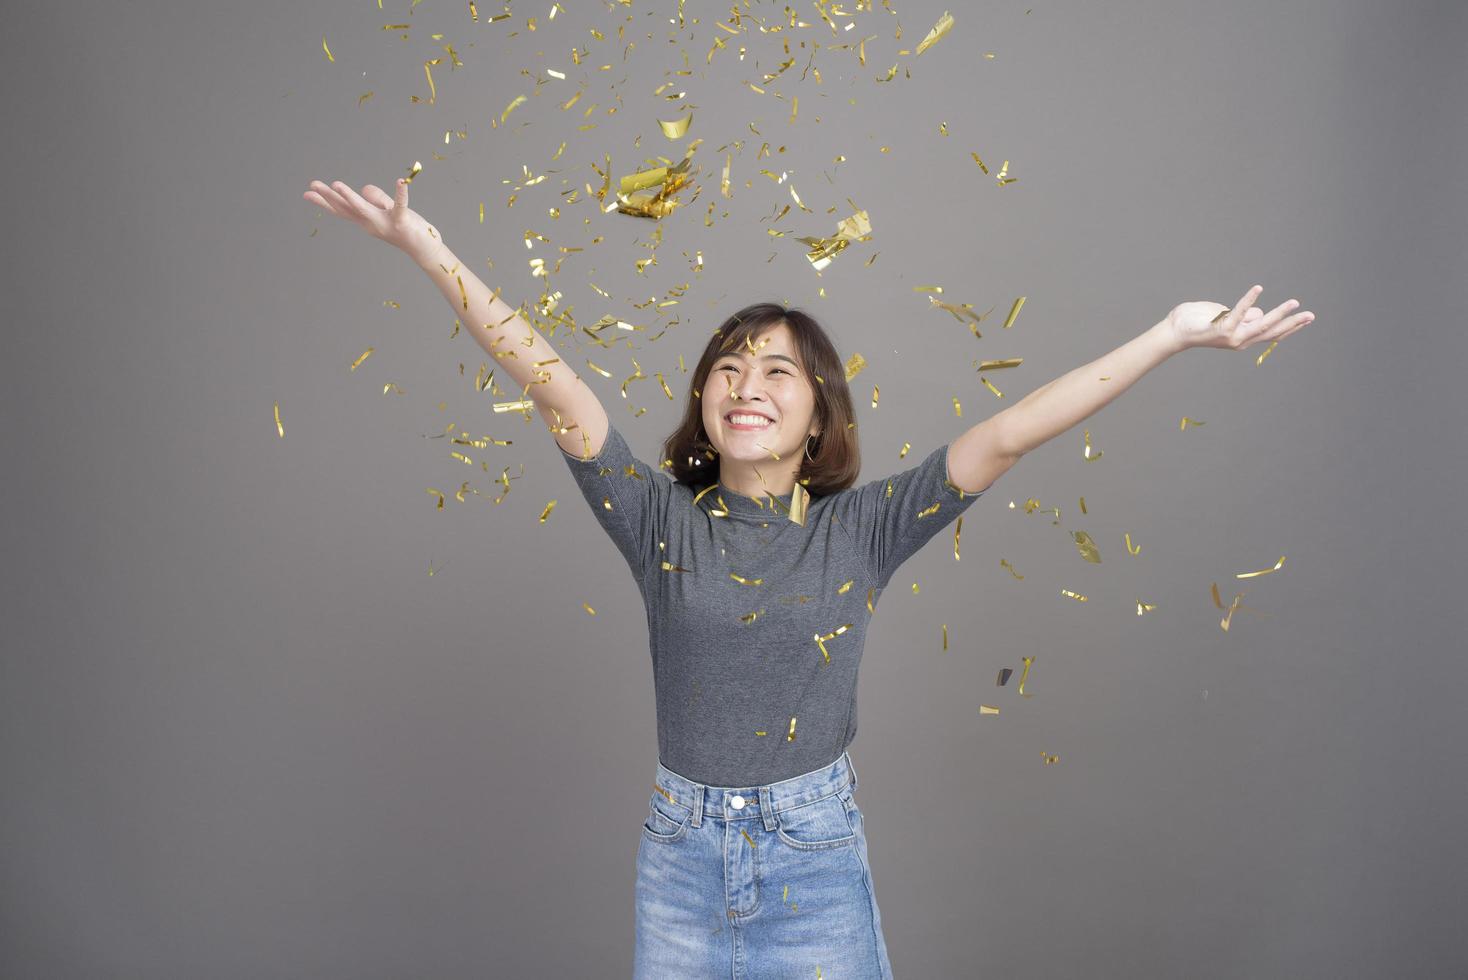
(748, 420)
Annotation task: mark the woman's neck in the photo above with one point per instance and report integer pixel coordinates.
(773, 477)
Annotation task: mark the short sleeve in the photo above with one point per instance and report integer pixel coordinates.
(892, 518)
(628, 498)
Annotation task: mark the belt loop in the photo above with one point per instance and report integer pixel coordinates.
(697, 804)
(767, 807)
(853, 770)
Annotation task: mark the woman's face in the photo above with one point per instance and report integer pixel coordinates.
(768, 383)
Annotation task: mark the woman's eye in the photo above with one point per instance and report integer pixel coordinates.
(781, 370)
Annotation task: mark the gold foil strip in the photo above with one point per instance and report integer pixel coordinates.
(1074, 595)
(1086, 546)
(1029, 662)
(1144, 607)
(674, 129)
(279, 428)
(669, 567)
(988, 709)
(945, 636)
(1277, 566)
(799, 500)
(996, 365)
(589, 611)
(1183, 425)
(1013, 312)
(746, 581)
(1089, 458)
(939, 31)
(845, 586)
(546, 513)
(750, 617)
(1127, 538)
(854, 365)
(956, 532)
(790, 735)
(858, 227)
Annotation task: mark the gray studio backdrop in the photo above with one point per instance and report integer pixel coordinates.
(245, 733)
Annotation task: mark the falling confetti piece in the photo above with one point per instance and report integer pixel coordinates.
(1086, 546)
(940, 29)
(988, 709)
(329, 56)
(365, 354)
(1277, 566)
(278, 426)
(589, 611)
(857, 228)
(546, 513)
(1024, 675)
(674, 129)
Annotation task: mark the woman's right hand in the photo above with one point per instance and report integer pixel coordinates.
(382, 217)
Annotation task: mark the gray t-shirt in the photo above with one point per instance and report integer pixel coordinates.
(721, 676)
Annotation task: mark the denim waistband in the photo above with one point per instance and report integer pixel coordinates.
(747, 802)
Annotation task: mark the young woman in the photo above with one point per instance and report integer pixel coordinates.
(759, 565)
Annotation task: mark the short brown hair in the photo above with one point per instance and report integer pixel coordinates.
(837, 456)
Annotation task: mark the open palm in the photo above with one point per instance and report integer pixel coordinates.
(1215, 325)
(381, 216)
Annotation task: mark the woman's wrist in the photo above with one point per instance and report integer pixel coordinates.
(432, 257)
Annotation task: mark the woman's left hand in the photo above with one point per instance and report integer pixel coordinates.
(1215, 325)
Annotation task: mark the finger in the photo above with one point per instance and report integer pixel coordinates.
(401, 199)
(317, 200)
(1287, 327)
(1281, 310)
(1243, 304)
(338, 205)
(353, 198)
(377, 196)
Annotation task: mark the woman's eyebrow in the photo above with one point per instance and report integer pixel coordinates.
(762, 357)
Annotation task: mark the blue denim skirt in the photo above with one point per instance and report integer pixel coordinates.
(757, 882)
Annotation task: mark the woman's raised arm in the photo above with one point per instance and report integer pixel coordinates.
(569, 407)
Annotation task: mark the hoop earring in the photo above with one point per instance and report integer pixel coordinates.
(807, 449)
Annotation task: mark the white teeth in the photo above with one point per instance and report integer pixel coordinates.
(749, 420)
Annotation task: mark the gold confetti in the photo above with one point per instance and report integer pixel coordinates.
(746, 581)
(988, 709)
(546, 513)
(648, 194)
(675, 128)
(854, 365)
(790, 736)
(365, 354)
(945, 636)
(956, 532)
(1013, 312)
(589, 611)
(1235, 604)
(1029, 661)
(668, 567)
(957, 408)
(903, 452)
(523, 405)
(1183, 425)
(914, 588)
(799, 501)
(996, 391)
(876, 390)
(845, 587)
(750, 617)
(1086, 546)
(1049, 759)
(858, 227)
(944, 25)
(515, 103)
(1089, 458)
(1004, 563)
(1127, 537)
(1074, 595)
(1144, 607)
(1277, 566)
(329, 56)
(996, 365)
